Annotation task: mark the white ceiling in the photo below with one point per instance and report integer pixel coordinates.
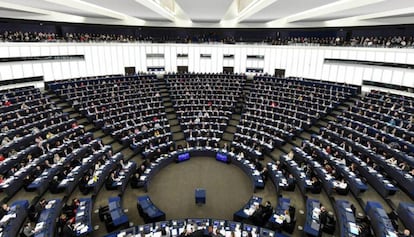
(215, 13)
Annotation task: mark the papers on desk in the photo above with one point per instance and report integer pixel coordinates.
(81, 228)
(39, 226)
(142, 178)
(353, 228)
(391, 234)
(315, 213)
(279, 218)
(7, 217)
(249, 211)
(308, 182)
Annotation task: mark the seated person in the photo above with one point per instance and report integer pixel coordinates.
(111, 182)
(28, 230)
(290, 183)
(53, 186)
(286, 217)
(316, 185)
(135, 180)
(405, 233)
(4, 210)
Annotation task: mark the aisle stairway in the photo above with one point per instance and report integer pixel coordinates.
(107, 139)
(178, 135)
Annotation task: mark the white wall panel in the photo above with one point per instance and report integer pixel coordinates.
(6, 72)
(358, 75)
(341, 76)
(27, 70)
(89, 68)
(37, 69)
(333, 72)
(107, 55)
(48, 72)
(66, 72)
(14, 51)
(4, 52)
(400, 57)
(367, 75)
(408, 79)
(380, 57)
(377, 74)
(57, 71)
(300, 61)
(313, 63)
(17, 71)
(114, 60)
(397, 77)
(25, 51)
(102, 60)
(73, 70)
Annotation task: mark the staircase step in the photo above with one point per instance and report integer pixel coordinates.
(90, 128)
(175, 129)
(67, 110)
(233, 123)
(236, 117)
(228, 136)
(98, 134)
(107, 140)
(178, 136)
(127, 153)
(75, 115)
(117, 147)
(171, 116)
(231, 129)
(83, 121)
(169, 110)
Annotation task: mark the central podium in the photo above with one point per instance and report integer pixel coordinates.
(200, 196)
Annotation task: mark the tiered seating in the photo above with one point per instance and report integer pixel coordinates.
(14, 218)
(46, 224)
(197, 227)
(35, 134)
(278, 109)
(204, 104)
(330, 167)
(128, 108)
(381, 223)
(113, 215)
(379, 128)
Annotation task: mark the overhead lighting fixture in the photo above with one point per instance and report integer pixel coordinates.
(157, 6)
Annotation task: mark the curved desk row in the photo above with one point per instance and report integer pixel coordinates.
(148, 211)
(204, 226)
(46, 225)
(219, 154)
(380, 222)
(406, 214)
(13, 220)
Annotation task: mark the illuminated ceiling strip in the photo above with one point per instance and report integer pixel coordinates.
(337, 6)
(89, 7)
(232, 17)
(43, 12)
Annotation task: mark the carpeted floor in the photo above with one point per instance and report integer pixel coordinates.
(228, 188)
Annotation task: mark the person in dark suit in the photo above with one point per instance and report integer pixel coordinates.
(316, 185)
(68, 230)
(135, 180)
(323, 217)
(4, 210)
(290, 183)
(53, 186)
(405, 233)
(83, 185)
